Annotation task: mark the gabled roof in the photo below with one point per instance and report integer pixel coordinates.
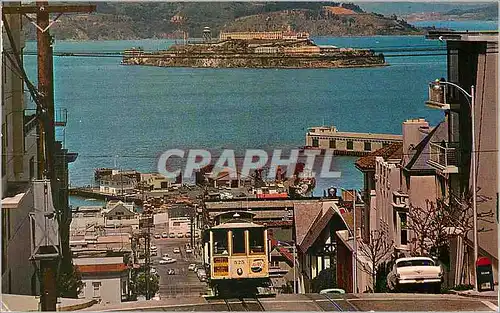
(102, 268)
(391, 151)
(305, 214)
(118, 208)
(420, 153)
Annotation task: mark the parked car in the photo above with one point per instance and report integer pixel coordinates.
(157, 236)
(154, 253)
(165, 255)
(191, 267)
(180, 235)
(172, 235)
(164, 235)
(332, 291)
(415, 271)
(171, 271)
(202, 274)
(188, 235)
(153, 248)
(189, 250)
(177, 250)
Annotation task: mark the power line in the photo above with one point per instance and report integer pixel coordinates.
(137, 156)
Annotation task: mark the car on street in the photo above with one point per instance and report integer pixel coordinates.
(154, 253)
(333, 291)
(180, 235)
(153, 248)
(157, 236)
(164, 235)
(188, 235)
(202, 274)
(164, 255)
(189, 250)
(168, 261)
(171, 271)
(172, 235)
(191, 267)
(177, 250)
(415, 272)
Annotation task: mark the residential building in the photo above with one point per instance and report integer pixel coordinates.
(472, 61)
(19, 167)
(105, 279)
(393, 154)
(324, 238)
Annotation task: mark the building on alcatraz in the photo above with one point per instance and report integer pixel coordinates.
(277, 35)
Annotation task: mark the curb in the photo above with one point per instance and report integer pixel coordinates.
(468, 295)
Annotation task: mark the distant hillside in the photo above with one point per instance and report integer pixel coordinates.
(485, 12)
(328, 21)
(406, 8)
(115, 20)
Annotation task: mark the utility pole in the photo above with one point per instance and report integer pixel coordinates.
(44, 99)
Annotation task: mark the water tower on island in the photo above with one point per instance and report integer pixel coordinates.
(207, 34)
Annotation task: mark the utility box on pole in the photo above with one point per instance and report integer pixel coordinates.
(45, 242)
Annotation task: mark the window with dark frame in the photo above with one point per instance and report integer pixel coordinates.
(315, 142)
(350, 145)
(239, 241)
(333, 144)
(368, 146)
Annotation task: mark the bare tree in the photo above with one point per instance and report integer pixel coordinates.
(433, 225)
(460, 214)
(377, 250)
(429, 227)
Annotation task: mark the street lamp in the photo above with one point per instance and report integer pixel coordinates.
(285, 244)
(438, 97)
(355, 243)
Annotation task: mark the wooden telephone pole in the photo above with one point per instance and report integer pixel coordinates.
(44, 98)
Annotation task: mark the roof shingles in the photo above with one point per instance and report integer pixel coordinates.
(391, 151)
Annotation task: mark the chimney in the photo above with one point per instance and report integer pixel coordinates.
(412, 134)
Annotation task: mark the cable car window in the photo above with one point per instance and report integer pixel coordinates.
(256, 240)
(239, 241)
(220, 242)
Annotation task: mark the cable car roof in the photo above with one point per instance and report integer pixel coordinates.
(237, 224)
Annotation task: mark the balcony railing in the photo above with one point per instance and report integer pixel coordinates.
(444, 156)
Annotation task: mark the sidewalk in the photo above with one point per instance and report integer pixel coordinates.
(30, 303)
(490, 295)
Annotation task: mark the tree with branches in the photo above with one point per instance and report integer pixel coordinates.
(377, 250)
(433, 225)
(429, 226)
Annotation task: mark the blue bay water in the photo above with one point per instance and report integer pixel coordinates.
(137, 112)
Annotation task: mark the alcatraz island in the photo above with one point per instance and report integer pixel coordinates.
(277, 49)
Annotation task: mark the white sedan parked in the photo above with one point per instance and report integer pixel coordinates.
(415, 271)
